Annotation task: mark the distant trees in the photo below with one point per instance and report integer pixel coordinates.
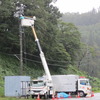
(91, 17)
(89, 27)
(70, 38)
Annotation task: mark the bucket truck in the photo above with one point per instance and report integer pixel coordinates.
(42, 86)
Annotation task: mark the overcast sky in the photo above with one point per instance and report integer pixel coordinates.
(80, 6)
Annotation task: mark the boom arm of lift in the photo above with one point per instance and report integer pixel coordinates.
(44, 62)
(27, 21)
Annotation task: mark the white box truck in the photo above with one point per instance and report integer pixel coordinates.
(72, 84)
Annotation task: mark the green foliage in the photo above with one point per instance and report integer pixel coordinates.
(89, 27)
(1, 86)
(91, 37)
(88, 18)
(48, 33)
(95, 82)
(11, 98)
(70, 38)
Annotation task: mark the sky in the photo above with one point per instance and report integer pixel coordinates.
(80, 6)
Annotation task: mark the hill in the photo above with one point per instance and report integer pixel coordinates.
(89, 27)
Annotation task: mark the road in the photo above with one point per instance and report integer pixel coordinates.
(96, 97)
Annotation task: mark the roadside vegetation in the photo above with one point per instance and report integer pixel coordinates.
(7, 70)
(11, 98)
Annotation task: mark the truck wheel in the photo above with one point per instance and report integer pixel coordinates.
(32, 96)
(81, 94)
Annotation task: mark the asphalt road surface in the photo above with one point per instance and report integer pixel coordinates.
(96, 97)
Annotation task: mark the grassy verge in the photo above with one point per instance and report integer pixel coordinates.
(11, 98)
(95, 82)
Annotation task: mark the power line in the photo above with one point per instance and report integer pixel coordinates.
(10, 54)
(33, 60)
(41, 63)
(46, 58)
(37, 57)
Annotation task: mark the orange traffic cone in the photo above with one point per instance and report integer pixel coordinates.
(78, 96)
(60, 97)
(56, 97)
(69, 95)
(38, 97)
(92, 94)
(53, 98)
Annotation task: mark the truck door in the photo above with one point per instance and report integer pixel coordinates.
(84, 87)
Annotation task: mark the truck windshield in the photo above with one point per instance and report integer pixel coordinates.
(37, 83)
(84, 82)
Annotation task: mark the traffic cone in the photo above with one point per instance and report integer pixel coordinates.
(57, 97)
(38, 97)
(78, 96)
(92, 94)
(60, 97)
(53, 98)
(69, 95)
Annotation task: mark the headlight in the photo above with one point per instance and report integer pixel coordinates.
(42, 92)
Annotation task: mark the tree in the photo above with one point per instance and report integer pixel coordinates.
(59, 41)
(46, 15)
(70, 38)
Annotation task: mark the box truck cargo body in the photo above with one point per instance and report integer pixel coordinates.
(63, 83)
(71, 84)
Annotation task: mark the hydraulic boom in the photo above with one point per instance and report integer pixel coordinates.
(27, 21)
(44, 62)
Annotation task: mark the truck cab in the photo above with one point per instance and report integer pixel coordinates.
(38, 87)
(84, 87)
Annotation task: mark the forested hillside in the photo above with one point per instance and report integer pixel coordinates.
(89, 27)
(60, 41)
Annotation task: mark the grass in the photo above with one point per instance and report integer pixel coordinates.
(95, 82)
(11, 98)
(9, 66)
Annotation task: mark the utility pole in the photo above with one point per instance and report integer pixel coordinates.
(21, 49)
(20, 12)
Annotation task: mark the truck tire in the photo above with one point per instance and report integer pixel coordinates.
(81, 94)
(33, 96)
